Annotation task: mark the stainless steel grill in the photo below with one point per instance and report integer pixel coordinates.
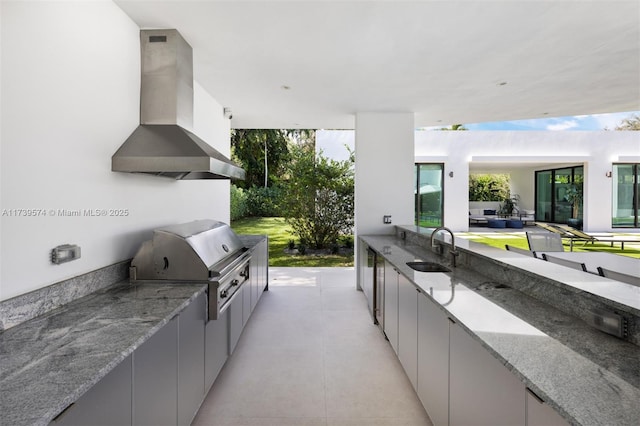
(200, 251)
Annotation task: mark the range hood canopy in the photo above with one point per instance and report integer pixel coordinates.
(162, 145)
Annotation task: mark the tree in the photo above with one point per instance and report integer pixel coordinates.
(574, 196)
(631, 123)
(319, 197)
(455, 127)
(262, 153)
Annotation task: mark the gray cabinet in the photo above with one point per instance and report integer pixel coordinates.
(191, 346)
(236, 322)
(433, 360)
(254, 278)
(108, 402)
(408, 328)
(481, 390)
(259, 270)
(540, 414)
(247, 295)
(155, 378)
(216, 348)
(391, 305)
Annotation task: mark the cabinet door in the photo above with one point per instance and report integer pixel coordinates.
(368, 263)
(433, 360)
(191, 323)
(254, 277)
(155, 378)
(540, 414)
(106, 403)
(391, 305)
(235, 320)
(247, 293)
(482, 391)
(408, 328)
(216, 347)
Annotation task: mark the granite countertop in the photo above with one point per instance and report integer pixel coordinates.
(589, 377)
(47, 363)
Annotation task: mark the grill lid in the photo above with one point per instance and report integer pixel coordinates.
(192, 251)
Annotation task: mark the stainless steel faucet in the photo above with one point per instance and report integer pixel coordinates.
(454, 253)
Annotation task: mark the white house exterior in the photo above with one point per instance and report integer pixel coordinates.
(521, 154)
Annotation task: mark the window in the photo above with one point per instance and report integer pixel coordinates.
(626, 188)
(428, 194)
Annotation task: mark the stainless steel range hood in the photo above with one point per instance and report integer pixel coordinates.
(161, 145)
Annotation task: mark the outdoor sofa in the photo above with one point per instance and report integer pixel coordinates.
(485, 216)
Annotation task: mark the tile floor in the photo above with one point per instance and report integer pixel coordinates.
(310, 355)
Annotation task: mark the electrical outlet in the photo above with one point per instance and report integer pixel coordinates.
(386, 219)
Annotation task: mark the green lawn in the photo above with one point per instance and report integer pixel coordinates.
(519, 240)
(279, 236)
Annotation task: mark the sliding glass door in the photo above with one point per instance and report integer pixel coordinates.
(428, 194)
(626, 189)
(552, 187)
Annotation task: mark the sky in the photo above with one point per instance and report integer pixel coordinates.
(332, 142)
(576, 122)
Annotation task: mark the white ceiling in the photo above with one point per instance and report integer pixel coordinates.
(446, 61)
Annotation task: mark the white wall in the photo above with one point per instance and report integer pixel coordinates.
(384, 171)
(535, 150)
(70, 81)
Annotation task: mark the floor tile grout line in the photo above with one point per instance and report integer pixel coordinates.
(324, 346)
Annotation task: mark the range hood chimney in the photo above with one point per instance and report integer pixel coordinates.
(161, 145)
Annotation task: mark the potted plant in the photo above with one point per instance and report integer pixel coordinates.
(573, 195)
(509, 205)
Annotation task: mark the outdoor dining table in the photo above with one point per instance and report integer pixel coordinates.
(614, 262)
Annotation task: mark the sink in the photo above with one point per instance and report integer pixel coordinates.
(427, 267)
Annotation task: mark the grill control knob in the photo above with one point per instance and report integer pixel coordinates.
(235, 283)
(223, 294)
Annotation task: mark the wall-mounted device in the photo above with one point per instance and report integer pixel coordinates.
(65, 253)
(609, 322)
(386, 219)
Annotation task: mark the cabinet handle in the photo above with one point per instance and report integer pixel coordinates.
(451, 321)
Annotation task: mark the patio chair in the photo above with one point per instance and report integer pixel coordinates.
(565, 262)
(544, 241)
(619, 276)
(578, 235)
(520, 251)
(554, 229)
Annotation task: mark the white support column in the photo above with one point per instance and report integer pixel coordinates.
(384, 151)
(598, 194)
(384, 171)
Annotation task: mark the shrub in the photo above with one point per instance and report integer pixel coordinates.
(319, 198)
(264, 202)
(489, 187)
(238, 203)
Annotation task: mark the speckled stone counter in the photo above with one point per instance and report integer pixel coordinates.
(50, 361)
(589, 377)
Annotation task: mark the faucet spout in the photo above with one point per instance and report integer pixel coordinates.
(454, 253)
